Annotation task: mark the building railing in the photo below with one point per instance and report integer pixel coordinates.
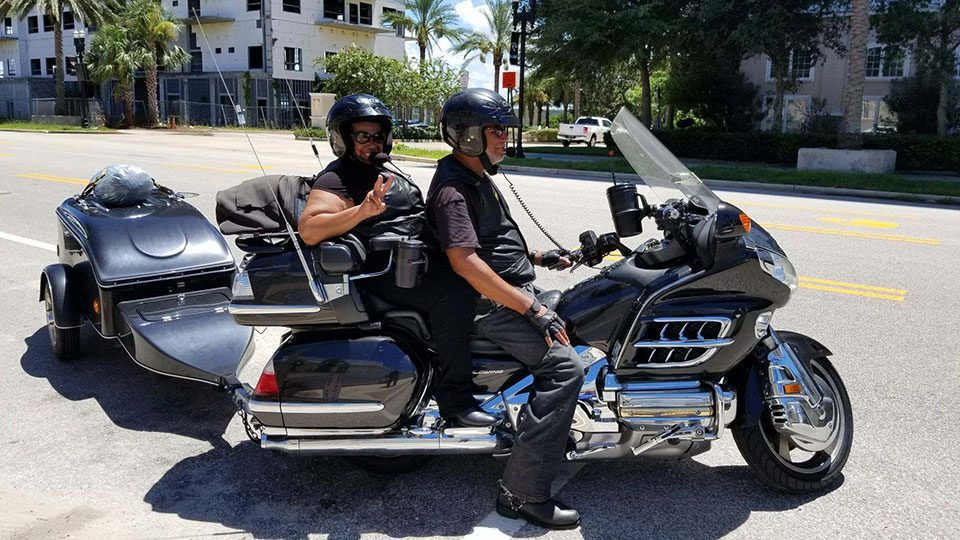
(224, 115)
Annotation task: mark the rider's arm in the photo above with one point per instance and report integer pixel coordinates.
(327, 215)
(468, 265)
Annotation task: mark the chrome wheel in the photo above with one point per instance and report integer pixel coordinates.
(65, 342)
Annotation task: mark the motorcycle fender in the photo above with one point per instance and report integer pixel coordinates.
(66, 310)
(805, 347)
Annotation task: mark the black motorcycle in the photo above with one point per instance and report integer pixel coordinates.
(675, 337)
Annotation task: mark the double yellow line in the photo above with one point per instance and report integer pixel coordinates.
(854, 289)
(52, 178)
(854, 234)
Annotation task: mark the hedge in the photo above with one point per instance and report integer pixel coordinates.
(313, 133)
(406, 133)
(914, 152)
(540, 135)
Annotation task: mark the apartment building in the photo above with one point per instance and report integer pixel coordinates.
(821, 85)
(267, 50)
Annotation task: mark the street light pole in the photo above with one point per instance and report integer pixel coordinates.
(79, 43)
(522, 15)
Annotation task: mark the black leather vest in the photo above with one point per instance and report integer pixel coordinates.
(502, 246)
(405, 214)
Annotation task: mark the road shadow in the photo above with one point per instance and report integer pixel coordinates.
(277, 495)
(132, 397)
(268, 494)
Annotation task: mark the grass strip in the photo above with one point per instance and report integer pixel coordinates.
(33, 126)
(419, 152)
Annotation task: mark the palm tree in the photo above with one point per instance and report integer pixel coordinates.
(115, 54)
(850, 136)
(430, 21)
(499, 15)
(93, 12)
(155, 28)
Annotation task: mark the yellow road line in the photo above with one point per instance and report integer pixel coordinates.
(52, 178)
(746, 205)
(860, 222)
(256, 167)
(6, 155)
(804, 280)
(853, 292)
(854, 234)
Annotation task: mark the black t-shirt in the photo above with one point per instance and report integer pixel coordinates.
(347, 178)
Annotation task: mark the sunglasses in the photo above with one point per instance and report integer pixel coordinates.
(364, 137)
(499, 131)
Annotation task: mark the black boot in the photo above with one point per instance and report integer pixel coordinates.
(474, 417)
(548, 514)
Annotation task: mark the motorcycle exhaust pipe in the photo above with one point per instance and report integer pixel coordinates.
(448, 442)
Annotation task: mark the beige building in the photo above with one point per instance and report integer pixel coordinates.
(821, 86)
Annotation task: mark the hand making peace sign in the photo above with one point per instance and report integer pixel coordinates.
(374, 203)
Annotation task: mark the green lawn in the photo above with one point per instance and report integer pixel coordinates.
(31, 126)
(895, 183)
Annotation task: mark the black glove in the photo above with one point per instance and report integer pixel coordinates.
(549, 323)
(551, 259)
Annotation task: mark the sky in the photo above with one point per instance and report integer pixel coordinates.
(471, 17)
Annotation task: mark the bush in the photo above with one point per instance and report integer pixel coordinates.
(540, 135)
(313, 133)
(406, 133)
(914, 152)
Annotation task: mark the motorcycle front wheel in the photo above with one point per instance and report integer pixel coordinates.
(783, 465)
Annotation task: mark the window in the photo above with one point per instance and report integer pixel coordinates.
(48, 23)
(399, 28)
(1, 69)
(882, 62)
(255, 57)
(217, 50)
(291, 6)
(230, 49)
(366, 14)
(71, 64)
(35, 69)
(193, 41)
(259, 23)
(354, 14)
(8, 26)
(67, 20)
(32, 25)
(799, 67)
(51, 66)
(876, 115)
(326, 55)
(196, 61)
(333, 9)
(12, 67)
(253, 5)
(292, 59)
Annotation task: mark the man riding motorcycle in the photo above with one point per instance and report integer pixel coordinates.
(473, 224)
(351, 195)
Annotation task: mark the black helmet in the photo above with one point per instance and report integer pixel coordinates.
(466, 113)
(348, 110)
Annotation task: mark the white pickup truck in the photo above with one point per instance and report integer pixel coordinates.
(588, 129)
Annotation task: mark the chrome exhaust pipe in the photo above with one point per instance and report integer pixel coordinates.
(448, 441)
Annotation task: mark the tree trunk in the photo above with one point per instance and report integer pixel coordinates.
(780, 75)
(576, 101)
(423, 53)
(646, 114)
(128, 113)
(668, 116)
(153, 111)
(850, 136)
(61, 102)
(565, 107)
(942, 106)
(539, 114)
(548, 114)
(496, 76)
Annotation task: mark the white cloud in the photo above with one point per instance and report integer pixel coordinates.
(472, 19)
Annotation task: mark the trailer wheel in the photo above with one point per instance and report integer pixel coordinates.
(65, 342)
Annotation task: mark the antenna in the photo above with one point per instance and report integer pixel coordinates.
(318, 293)
(304, 122)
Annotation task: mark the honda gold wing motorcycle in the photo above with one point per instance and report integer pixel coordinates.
(675, 338)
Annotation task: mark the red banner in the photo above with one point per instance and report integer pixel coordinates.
(509, 79)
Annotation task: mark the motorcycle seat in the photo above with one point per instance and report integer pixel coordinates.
(480, 346)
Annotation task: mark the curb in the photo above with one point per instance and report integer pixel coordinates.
(414, 159)
(60, 131)
(735, 185)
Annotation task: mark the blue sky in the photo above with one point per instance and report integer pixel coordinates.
(471, 18)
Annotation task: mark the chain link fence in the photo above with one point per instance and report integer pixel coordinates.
(223, 114)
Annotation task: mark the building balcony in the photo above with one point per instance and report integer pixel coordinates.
(4, 36)
(206, 19)
(335, 24)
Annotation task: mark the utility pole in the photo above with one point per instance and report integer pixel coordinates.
(524, 12)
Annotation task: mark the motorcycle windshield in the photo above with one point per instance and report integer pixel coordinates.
(659, 169)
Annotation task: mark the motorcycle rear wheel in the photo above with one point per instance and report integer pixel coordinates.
(389, 464)
(785, 467)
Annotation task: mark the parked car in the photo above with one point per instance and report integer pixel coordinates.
(587, 129)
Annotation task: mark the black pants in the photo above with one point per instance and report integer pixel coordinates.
(449, 303)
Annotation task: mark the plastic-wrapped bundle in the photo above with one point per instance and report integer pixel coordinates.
(122, 185)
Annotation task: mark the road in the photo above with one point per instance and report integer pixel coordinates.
(102, 448)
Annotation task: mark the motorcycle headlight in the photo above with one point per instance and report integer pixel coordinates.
(779, 267)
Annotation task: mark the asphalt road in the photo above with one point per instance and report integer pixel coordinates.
(102, 448)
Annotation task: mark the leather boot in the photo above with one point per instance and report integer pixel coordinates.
(474, 417)
(548, 514)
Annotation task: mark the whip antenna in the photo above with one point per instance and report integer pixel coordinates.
(318, 293)
(304, 122)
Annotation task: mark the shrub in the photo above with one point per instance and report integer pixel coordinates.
(313, 133)
(407, 133)
(540, 135)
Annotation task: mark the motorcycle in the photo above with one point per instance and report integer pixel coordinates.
(676, 340)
